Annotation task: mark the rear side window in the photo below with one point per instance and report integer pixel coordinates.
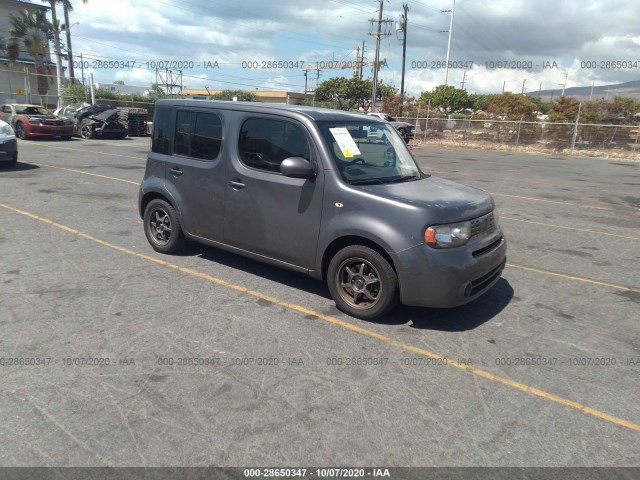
(198, 135)
(161, 131)
(265, 143)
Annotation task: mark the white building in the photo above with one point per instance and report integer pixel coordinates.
(124, 89)
(18, 82)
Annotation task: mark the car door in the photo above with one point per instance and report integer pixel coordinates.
(265, 212)
(195, 172)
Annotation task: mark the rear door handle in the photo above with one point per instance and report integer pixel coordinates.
(175, 171)
(236, 185)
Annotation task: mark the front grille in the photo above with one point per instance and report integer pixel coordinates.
(481, 283)
(483, 224)
(52, 122)
(488, 248)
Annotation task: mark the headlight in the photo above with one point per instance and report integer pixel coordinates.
(448, 236)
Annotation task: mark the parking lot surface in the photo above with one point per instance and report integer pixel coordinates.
(114, 355)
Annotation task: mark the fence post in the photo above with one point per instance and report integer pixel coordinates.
(518, 135)
(575, 129)
(469, 128)
(426, 123)
(415, 129)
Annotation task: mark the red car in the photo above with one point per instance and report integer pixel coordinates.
(35, 121)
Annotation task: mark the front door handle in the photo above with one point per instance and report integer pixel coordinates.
(175, 171)
(236, 185)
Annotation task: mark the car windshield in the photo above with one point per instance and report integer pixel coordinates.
(29, 110)
(369, 153)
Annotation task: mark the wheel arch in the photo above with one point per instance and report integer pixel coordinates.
(153, 195)
(347, 240)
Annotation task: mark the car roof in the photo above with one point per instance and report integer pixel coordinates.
(314, 113)
(25, 105)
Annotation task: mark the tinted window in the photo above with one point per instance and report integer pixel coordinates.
(161, 131)
(198, 135)
(265, 143)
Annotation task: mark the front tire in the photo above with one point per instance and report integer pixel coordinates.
(20, 132)
(362, 282)
(86, 130)
(162, 227)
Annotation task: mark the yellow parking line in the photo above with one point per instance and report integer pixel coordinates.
(569, 228)
(550, 201)
(83, 172)
(346, 325)
(572, 277)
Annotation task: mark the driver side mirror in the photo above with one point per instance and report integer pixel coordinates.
(297, 167)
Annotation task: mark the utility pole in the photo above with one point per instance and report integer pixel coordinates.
(446, 67)
(566, 77)
(523, 82)
(464, 76)
(305, 82)
(376, 64)
(362, 62)
(56, 39)
(592, 84)
(403, 24)
(504, 84)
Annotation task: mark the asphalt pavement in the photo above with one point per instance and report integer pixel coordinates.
(114, 355)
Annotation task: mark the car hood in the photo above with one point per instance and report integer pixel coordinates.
(38, 117)
(104, 116)
(445, 201)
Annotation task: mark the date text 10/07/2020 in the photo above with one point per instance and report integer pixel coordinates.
(331, 64)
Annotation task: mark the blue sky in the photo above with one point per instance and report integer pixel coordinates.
(566, 36)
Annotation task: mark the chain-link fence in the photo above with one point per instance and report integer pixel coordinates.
(567, 138)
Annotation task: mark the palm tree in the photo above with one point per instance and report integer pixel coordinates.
(68, 7)
(34, 31)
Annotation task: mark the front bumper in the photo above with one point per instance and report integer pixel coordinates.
(8, 149)
(444, 278)
(49, 131)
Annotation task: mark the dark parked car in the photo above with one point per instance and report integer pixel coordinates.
(404, 129)
(8, 146)
(92, 121)
(35, 121)
(307, 189)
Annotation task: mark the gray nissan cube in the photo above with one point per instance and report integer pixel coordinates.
(334, 195)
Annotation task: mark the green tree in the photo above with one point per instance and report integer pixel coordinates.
(73, 93)
(565, 109)
(34, 31)
(347, 93)
(446, 98)
(241, 95)
(512, 106)
(478, 102)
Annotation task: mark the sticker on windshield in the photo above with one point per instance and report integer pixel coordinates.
(345, 141)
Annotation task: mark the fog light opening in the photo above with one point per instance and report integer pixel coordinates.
(467, 290)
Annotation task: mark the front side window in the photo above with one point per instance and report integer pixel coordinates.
(369, 153)
(265, 143)
(198, 135)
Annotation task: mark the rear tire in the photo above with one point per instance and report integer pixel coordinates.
(362, 282)
(162, 227)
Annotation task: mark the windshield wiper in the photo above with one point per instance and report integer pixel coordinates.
(366, 181)
(405, 178)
